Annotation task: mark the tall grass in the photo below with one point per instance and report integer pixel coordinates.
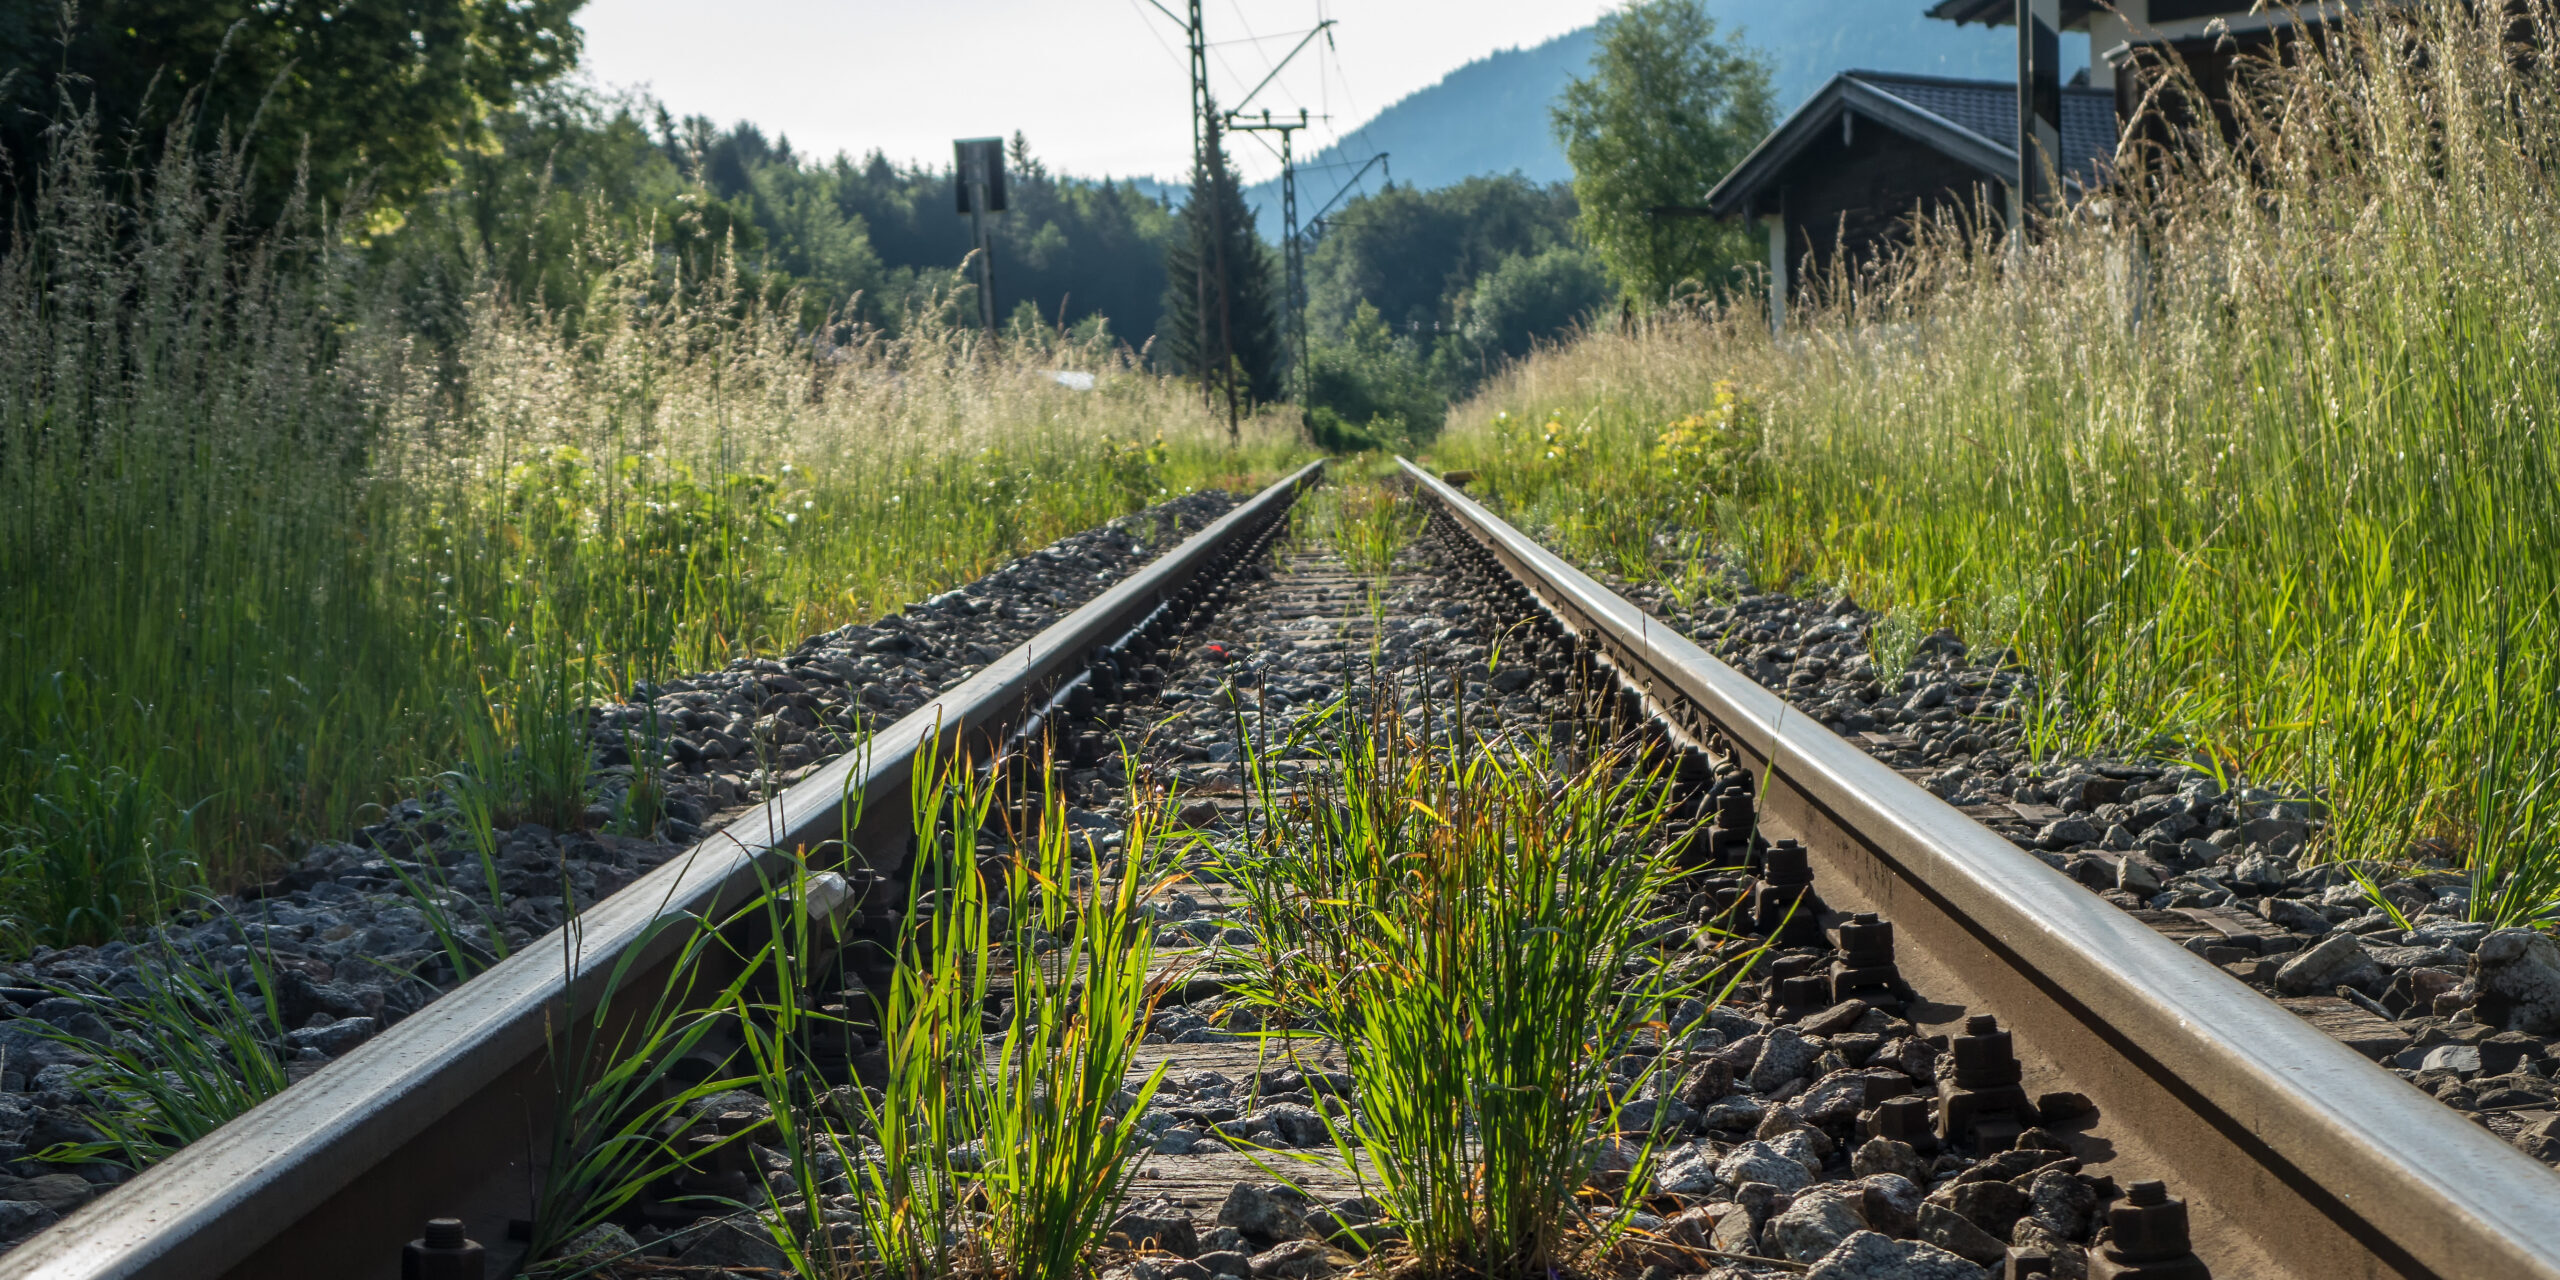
(266, 549)
(1474, 927)
(2252, 456)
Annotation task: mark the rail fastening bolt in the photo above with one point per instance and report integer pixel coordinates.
(2021, 1264)
(2147, 1239)
(1866, 964)
(1905, 1120)
(1784, 904)
(443, 1253)
(1981, 1101)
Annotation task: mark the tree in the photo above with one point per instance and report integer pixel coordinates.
(1243, 329)
(1415, 254)
(564, 176)
(372, 93)
(1369, 388)
(1669, 108)
(1423, 261)
(1533, 296)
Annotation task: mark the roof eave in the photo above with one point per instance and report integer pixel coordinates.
(1987, 12)
(1733, 195)
(2004, 13)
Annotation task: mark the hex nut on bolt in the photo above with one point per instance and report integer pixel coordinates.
(1982, 1102)
(1866, 966)
(1906, 1120)
(443, 1254)
(2147, 1239)
(1784, 904)
(2025, 1264)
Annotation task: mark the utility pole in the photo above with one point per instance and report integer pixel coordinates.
(2039, 107)
(1208, 181)
(977, 174)
(1225, 281)
(1291, 250)
(1208, 174)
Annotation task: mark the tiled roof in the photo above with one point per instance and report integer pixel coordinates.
(1974, 122)
(1990, 108)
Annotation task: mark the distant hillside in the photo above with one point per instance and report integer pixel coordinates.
(1490, 116)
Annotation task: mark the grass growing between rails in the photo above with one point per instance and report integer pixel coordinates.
(2252, 458)
(995, 1131)
(271, 546)
(1483, 931)
(1005, 1155)
(1360, 514)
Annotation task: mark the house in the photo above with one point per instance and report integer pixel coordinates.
(2131, 41)
(1846, 173)
(1843, 176)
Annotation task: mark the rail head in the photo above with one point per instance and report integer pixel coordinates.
(219, 1200)
(2428, 1192)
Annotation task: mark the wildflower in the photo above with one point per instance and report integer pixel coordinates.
(1706, 448)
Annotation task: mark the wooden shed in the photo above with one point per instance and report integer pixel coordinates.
(1848, 170)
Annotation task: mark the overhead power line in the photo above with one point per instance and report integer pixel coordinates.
(1213, 282)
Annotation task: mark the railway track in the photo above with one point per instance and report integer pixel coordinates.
(2293, 1155)
(2296, 1155)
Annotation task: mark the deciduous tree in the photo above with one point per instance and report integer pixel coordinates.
(1670, 106)
(370, 92)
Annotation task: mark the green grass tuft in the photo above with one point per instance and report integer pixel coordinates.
(1478, 928)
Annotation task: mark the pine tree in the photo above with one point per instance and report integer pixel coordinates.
(1242, 334)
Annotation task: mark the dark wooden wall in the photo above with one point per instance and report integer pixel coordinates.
(1862, 196)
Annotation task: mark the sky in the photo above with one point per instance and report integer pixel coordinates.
(1100, 87)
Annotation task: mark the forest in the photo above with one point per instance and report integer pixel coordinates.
(502, 168)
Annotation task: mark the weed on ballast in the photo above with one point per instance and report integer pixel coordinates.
(999, 1154)
(195, 1044)
(624, 1087)
(1062, 1148)
(955, 1100)
(470, 936)
(524, 758)
(1367, 522)
(1481, 930)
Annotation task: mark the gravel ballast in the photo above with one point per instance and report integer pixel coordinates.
(1769, 1111)
(2469, 1014)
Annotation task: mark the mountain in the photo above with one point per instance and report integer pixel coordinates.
(1490, 116)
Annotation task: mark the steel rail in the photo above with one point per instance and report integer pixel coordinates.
(2296, 1155)
(441, 1114)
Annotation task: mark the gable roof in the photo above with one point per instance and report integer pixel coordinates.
(1974, 122)
(2004, 12)
(2077, 13)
